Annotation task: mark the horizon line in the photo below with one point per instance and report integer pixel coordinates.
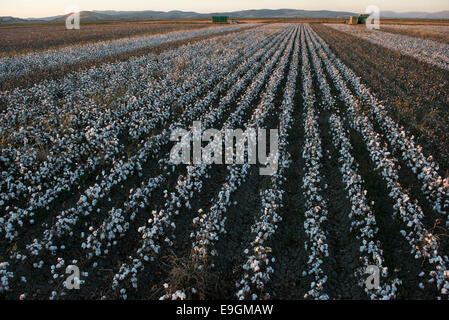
(199, 12)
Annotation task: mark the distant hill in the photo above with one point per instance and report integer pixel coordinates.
(263, 13)
(86, 16)
(11, 20)
(108, 15)
(415, 15)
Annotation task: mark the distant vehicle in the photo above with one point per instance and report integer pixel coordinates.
(361, 19)
(220, 19)
(352, 20)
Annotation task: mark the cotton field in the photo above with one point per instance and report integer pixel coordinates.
(87, 185)
(430, 51)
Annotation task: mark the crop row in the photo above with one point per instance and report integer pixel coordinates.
(193, 179)
(71, 150)
(429, 51)
(257, 269)
(22, 64)
(425, 168)
(423, 243)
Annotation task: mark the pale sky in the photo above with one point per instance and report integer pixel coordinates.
(44, 8)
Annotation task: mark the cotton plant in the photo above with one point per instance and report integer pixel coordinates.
(5, 277)
(108, 181)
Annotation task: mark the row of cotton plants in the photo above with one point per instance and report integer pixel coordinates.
(430, 51)
(209, 225)
(316, 211)
(99, 134)
(257, 269)
(139, 81)
(117, 220)
(23, 64)
(424, 244)
(192, 184)
(102, 82)
(248, 75)
(69, 147)
(361, 214)
(46, 196)
(248, 79)
(96, 90)
(126, 169)
(37, 246)
(237, 117)
(435, 187)
(364, 221)
(111, 223)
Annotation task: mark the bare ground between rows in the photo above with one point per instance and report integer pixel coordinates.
(343, 260)
(287, 242)
(55, 73)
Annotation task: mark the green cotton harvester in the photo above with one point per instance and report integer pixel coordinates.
(220, 19)
(361, 19)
